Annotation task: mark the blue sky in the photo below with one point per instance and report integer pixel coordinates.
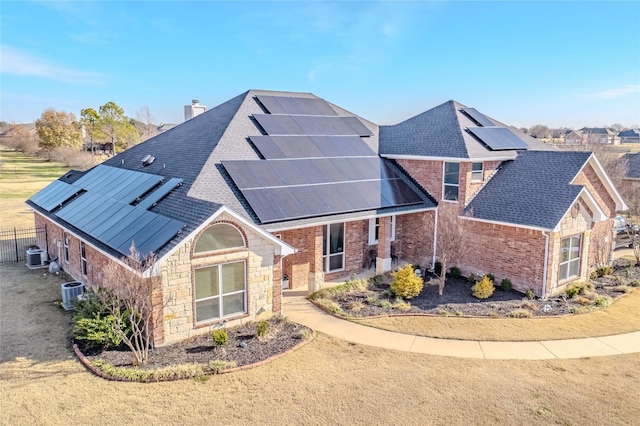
(556, 63)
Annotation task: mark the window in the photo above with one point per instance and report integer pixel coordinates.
(83, 259)
(570, 257)
(374, 226)
(220, 291)
(65, 242)
(219, 237)
(451, 181)
(333, 247)
(477, 172)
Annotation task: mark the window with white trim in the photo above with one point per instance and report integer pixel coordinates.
(65, 242)
(220, 291)
(570, 257)
(451, 181)
(477, 172)
(374, 229)
(333, 247)
(83, 259)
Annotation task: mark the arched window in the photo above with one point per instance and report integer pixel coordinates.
(219, 237)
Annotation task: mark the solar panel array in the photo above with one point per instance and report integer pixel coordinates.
(300, 106)
(103, 209)
(311, 125)
(294, 189)
(498, 138)
(279, 147)
(478, 117)
(55, 194)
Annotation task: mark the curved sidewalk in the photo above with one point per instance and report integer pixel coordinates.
(298, 309)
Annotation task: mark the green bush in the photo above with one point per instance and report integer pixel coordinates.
(491, 277)
(483, 289)
(220, 337)
(261, 328)
(406, 284)
(520, 313)
(506, 284)
(605, 270)
(531, 294)
(93, 327)
(574, 289)
(454, 272)
(472, 278)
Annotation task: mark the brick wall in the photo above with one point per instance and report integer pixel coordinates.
(589, 178)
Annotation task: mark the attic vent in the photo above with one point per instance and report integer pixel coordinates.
(147, 160)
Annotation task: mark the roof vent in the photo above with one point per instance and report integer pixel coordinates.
(147, 160)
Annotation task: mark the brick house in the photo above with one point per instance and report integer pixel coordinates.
(279, 188)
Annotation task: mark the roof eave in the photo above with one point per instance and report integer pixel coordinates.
(450, 159)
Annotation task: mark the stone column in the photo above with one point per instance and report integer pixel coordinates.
(383, 261)
(316, 274)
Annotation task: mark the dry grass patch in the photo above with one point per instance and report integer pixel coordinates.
(42, 383)
(623, 316)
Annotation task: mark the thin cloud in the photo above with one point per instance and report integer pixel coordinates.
(615, 93)
(19, 63)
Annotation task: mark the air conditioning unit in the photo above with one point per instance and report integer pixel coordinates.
(37, 258)
(70, 293)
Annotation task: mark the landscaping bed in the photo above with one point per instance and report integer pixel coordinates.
(244, 348)
(375, 298)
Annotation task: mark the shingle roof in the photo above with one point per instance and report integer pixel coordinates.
(631, 133)
(633, 165)
(533, 190)
(440, 132)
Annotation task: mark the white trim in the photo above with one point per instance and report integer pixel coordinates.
(481, 171)
(606, 181)
(444, 184)
(221, 294)
(244, 242)
(364, 217)
(326, 257)
(598, 213)
(449, 159)
(513, 225)
(373, 225)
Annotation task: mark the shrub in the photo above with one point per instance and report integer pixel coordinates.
(356, 306)
(623, 289)
(520, 313)
(454, 272)
(528, 304)
(371, 300)
(93, 327)
(385, 304)
(578, 288)
(401, 305)
(437, 268)
(635, 283)
(531, 294)
(506, 284)
(603, 302)
(472, 278)
(261, 328)
(330, 306)
(593, 275)
(220, 337)
(406, 284)
(444, 313)
(483, 289)
(491, 277)
(605, 270)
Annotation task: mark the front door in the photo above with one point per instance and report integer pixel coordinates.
(333, 247)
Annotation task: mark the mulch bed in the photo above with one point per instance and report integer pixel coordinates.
(244, 347)
(458, 300)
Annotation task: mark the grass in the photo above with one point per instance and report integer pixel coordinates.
(329, 381)
(20, 178)
(622, 316)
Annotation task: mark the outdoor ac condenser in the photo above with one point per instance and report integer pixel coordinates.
(70, 293)
(36, 258)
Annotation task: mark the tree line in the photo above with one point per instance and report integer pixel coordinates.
(60, 136)
(541, 131)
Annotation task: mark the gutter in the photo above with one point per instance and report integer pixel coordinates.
(435, 241)
(546, 263)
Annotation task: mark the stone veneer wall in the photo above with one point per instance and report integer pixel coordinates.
(263, 283)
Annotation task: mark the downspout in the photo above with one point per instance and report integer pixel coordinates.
(435, 240)
(546, 263)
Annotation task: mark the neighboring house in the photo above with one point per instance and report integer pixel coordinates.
(574, 137)
(629, 136)
(592, 135)
(629, 185)
(275, 184)
(25, 128)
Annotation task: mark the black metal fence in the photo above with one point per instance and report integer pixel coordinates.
(15, 242)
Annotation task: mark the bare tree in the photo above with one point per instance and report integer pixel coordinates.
(129, 297)
(539, 131)
(145, 123)
(451, 239)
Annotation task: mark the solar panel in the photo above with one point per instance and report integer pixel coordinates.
(54, 195)
(478, 117)
(301, 106)
(498, 138)
(120, 184)
(165, 231)
(159, 193)
(311, 125)
(279, 147)
(278, 124)
(357, 126)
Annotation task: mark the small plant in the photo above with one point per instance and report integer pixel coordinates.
(444, 313)
(603, 302)
(401, 305)
(329, 306)
(494, 315)
(454, 272)
(217, 365)
(406, 284)
(506, 284)
(520, 313)
(385, 304)
(371, 300)
(376, 279)
(593, 276)
(483, 289)
(491, 277)
(261, 328)
(623, 289)
(583, 300)
(459, 313)
(605, 270)
(529, 305)
(635, 283)
(530, 294)
(472, 278)
(356, 306)
(304, 334)
(220, 337)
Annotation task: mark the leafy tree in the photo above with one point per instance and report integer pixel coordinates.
(58, 129)
(90, 120)
(118, 131)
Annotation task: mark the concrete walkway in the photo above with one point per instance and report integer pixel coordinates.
(300, 310)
